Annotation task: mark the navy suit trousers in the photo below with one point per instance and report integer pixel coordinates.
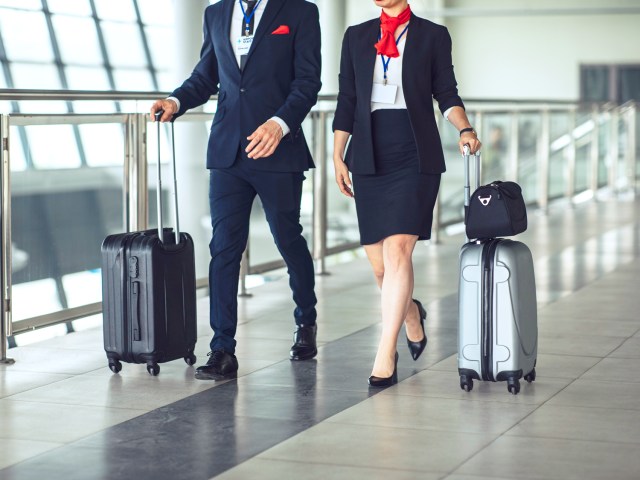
(231, 195)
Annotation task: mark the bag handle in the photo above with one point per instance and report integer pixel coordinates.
(175, 182)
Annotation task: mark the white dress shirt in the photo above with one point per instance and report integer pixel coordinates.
(394, 77)
(237, 19)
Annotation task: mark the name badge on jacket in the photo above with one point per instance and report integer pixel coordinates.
(384, 93)
(243, 45)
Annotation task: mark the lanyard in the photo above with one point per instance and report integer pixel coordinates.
(385, 65)
(247, 20)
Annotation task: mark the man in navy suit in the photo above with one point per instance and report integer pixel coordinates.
(262, 58)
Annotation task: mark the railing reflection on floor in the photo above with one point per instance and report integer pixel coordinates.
(553, 149)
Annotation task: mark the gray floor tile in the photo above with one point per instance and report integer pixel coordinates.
(537, 458)
(581, 423)
(13, 451)
(400, 411)
(581, 345)
(55, 423)
(269, 469)
(381, 447)
(629, 349)
(619, 370)
(589, 393)
(20, 381)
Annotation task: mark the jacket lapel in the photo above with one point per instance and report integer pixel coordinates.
(227, 17)
(270, 12)
(370, 57)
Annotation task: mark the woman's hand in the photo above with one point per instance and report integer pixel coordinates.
(342, 176)
(469, 138)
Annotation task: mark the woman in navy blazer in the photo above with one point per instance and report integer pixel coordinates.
(391, 69)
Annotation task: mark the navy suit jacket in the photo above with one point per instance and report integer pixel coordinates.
(427, 73)
(281, 78)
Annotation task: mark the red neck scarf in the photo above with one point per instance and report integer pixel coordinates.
(387, 45)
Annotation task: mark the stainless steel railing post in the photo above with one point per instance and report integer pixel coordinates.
(136, 183)
(595, 151)
(5, 313)
(571, 159)
(543, 162)
(244, 271)
(514, 147)
(631, 147)
(614, 150)
(319, 122)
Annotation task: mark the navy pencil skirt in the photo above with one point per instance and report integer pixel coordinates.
(397, 199)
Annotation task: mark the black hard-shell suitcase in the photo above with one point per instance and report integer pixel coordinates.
(498, 329)
(149, 294)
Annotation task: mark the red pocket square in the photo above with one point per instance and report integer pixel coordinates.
(281, 30)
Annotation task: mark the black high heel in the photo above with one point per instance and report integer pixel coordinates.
(385, 381)
(416, 348)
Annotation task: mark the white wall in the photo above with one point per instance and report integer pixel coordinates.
(503, 49)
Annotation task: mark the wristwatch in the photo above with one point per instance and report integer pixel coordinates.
(469, 129)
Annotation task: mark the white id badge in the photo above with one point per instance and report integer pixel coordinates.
(243, 45)
(384, 93)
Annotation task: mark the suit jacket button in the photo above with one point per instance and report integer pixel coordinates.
(242, 90)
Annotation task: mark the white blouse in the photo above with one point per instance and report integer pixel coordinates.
(394, 76)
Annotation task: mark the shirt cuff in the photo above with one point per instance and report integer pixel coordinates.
(445, 114)
(285, 128)
(175, 100)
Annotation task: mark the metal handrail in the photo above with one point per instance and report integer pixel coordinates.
(135, 187)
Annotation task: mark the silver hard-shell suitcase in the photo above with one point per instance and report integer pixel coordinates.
(498, 330)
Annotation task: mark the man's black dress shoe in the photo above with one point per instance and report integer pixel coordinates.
(416, 348)
(385, 381)
(304, 343)
(220, 366)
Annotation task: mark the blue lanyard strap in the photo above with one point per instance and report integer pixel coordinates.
(247, 20)
(385, 64)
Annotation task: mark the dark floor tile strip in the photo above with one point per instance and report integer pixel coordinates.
(203, 435)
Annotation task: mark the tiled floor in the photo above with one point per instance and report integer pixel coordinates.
(64, 415)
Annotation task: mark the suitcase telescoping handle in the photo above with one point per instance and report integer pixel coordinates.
(467, 173)
(466, 155)
(175, 183)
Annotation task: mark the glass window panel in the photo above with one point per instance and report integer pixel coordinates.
(166, 81)
(76, 7)
(133, 80)
(156, 12)
(53, 146)
(103, 144)
(87, 78)
(78, 40)
(161, 44)
(16, 152)
(34, 75)
(124, 44)
(3, 81)
(43, 107)
(82, 288)
(24, 293)
(23, 4)
(98, 106)
(595, 83)
(121, 10)
(629, 83)
(26, 36)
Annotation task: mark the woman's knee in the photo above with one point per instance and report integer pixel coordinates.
(398, 249)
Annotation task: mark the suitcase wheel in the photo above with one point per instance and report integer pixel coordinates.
(513, 384)
(115, 366)
(466, 383)
(531, 376)
(153, 369)
(190, 359)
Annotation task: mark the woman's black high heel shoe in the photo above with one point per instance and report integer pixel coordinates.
(386, 381)
(416, 348)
